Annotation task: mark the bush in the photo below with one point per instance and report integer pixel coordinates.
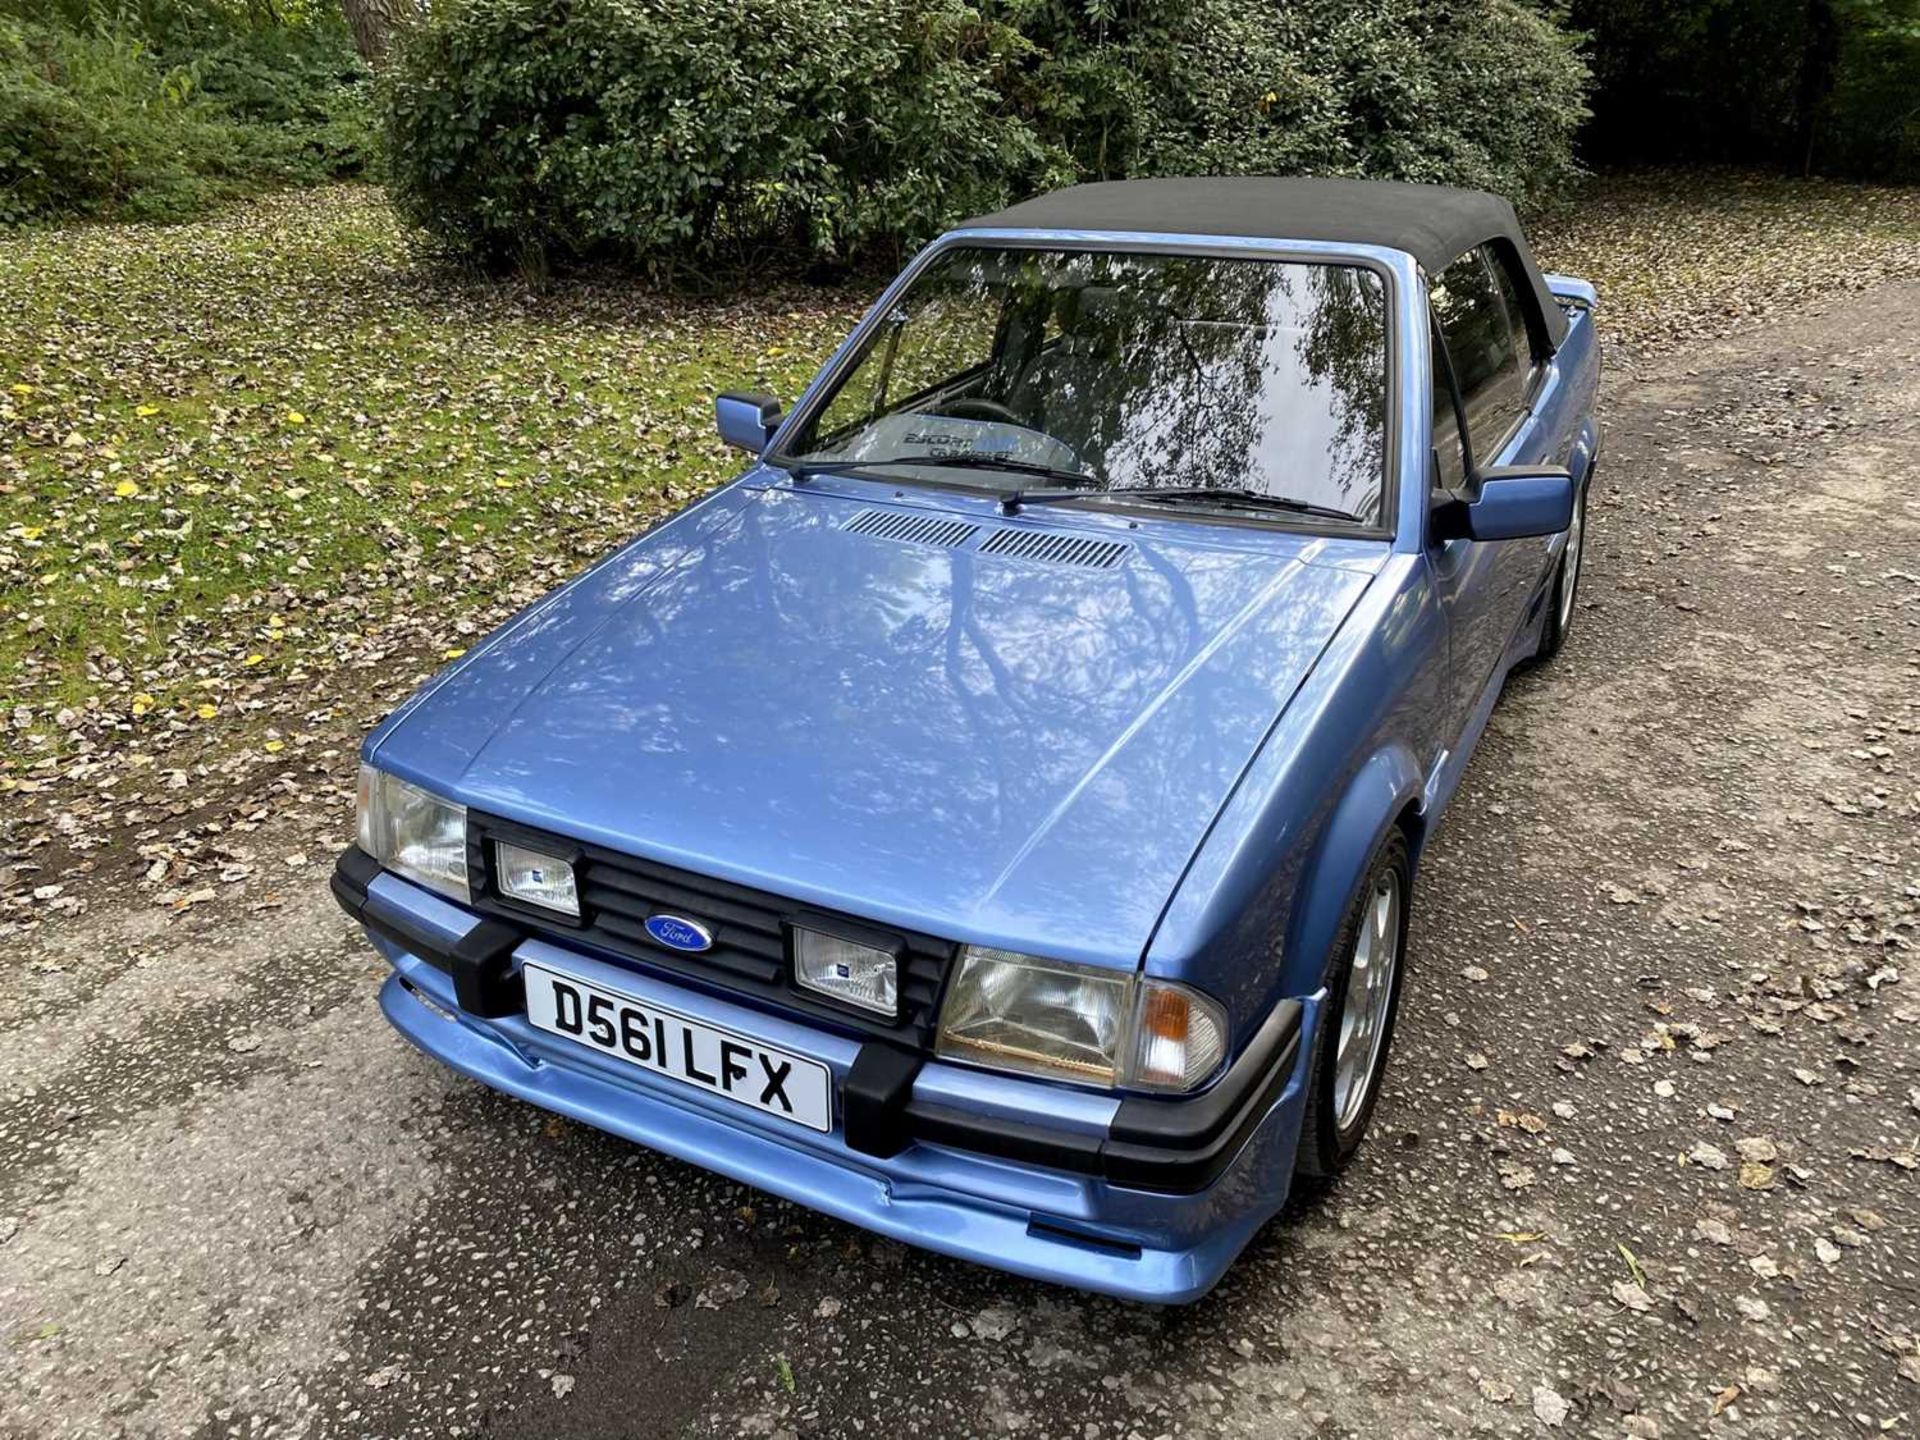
(676, 134)
(159, 114)
(671, 131)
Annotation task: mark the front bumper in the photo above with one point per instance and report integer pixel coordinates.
(1147, 1199)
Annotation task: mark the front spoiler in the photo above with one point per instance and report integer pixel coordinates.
(995, 1203)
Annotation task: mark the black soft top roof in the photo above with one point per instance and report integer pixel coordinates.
(1433, 223)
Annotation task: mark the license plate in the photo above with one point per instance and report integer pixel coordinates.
(693, 1052)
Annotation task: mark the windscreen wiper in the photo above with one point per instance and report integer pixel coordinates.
(1232, 495)
(1077, 481)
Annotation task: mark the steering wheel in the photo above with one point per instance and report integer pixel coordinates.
(975, 407)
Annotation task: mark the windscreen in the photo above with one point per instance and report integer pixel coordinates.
(1114, 372)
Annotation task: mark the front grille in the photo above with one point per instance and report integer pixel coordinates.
(748, 959)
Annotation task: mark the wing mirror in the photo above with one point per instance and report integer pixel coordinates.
(1513, 502)
(747, 419)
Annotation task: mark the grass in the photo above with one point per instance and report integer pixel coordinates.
(243, 458)
(237, 449)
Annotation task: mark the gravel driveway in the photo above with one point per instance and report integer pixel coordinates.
(1645, 1164)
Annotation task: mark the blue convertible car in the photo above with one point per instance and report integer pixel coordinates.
(993, 818)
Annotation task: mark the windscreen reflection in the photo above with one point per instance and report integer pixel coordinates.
(1124, 370)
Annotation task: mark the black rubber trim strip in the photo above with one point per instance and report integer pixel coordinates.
(480, 961)
(1176, 1146)
(1195, 1122)
(1184, 1145)
(874, 1096)
(352, 874)
(1008, 1139)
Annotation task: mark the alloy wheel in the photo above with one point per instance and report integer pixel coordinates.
(1363, 1015)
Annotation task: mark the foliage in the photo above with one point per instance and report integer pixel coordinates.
(1807, 85)
(673, 133)
(156, 110)
(667, 130)
(270, 462)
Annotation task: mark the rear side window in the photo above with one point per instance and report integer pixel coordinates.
(1480, 339)
(1516, 316)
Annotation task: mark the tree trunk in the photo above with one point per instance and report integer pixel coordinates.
(374, 22)
(1818, 63)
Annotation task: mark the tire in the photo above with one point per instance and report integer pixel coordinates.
(1336, 1116)
(1566, 584)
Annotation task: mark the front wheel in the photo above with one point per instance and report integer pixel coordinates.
(1356, 1028)
(1566, 583)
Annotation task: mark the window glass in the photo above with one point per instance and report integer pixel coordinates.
(1473, 318)
(1449, 454)
(1124, 371)
(1516, 316)
(928, 339)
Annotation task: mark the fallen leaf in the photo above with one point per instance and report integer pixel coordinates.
(1550, 1407)
(1626, 1293)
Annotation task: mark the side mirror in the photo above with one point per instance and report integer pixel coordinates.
(1515, 502)
(747, 419)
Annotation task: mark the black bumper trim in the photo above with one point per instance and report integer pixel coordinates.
(1184, 1145)
(1176, 1146)
(480, 961)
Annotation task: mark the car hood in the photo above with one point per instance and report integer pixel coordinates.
(1001, 748)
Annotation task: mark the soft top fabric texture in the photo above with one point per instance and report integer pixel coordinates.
(1433, 223)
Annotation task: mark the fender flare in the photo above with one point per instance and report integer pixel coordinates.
(1384, 788)
(1585, 451)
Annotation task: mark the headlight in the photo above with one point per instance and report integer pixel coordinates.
(413, 833)
(1079, 1022)
(834, 965)
(536, 879)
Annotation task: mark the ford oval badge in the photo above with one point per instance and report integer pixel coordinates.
(678, 933)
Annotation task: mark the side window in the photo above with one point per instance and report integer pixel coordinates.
(1516, 315)
(1473, 319)
(1449, 453)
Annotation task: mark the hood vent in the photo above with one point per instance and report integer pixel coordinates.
(910, 528)
(1056, 549)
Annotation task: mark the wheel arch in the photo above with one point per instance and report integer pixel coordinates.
(1385, 793)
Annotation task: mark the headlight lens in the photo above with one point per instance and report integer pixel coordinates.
(413, 833)
(536, 879)
(1079, 1022)
(847, 970)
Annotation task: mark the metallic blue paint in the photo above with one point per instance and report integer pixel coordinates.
(1005, 752)
(747, 422)
(1180, 764)
(1520, 507)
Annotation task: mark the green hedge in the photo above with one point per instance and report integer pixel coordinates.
(677, 135)
(157, 111)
